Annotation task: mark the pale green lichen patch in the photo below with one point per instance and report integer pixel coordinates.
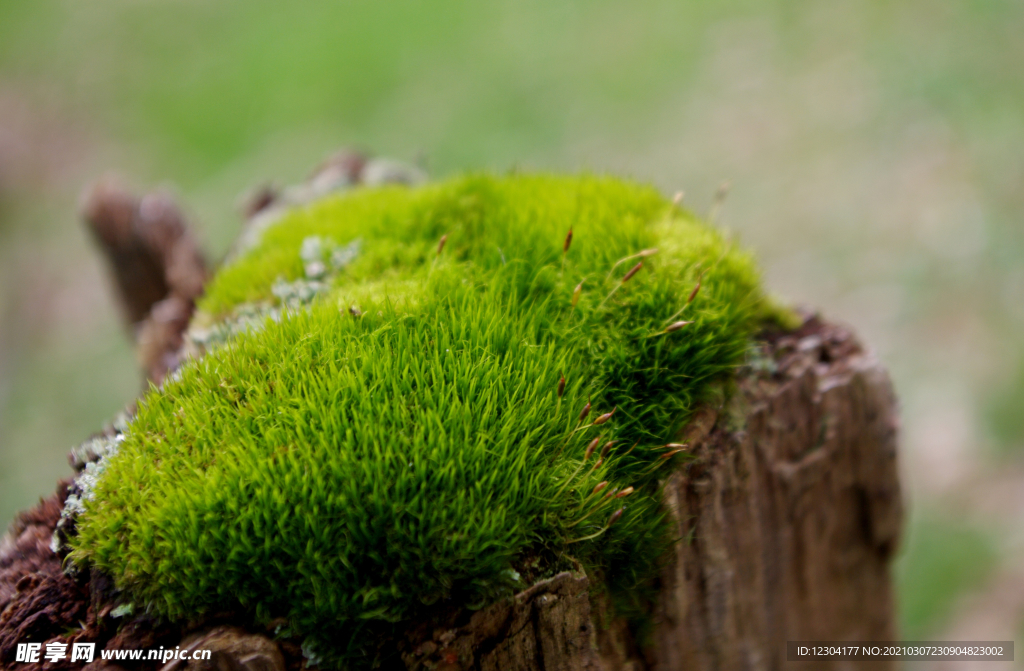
(402, 442)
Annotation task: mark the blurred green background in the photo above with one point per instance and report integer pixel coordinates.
(876, 152)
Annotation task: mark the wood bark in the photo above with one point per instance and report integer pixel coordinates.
(787, 519)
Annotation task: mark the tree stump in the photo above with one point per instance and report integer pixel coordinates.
(786, 520)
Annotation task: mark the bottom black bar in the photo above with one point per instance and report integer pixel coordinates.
(994, 651)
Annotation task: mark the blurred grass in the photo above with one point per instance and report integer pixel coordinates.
(943, 559)
(877, 152)
(1005, 412)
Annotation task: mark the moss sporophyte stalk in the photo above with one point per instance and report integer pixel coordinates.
(422, 398)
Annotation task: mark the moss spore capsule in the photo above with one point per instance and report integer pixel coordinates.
(632, 271)
(693, 294)
(576, 294)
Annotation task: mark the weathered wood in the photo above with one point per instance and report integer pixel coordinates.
(794, 515)
(156, 264)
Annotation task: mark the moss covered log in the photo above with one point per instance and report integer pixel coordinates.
(422, 398)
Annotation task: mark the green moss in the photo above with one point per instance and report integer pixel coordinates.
(344, 470)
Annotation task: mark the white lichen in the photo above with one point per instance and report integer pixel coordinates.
(94, 455)
(123, 610)
(322, 259)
